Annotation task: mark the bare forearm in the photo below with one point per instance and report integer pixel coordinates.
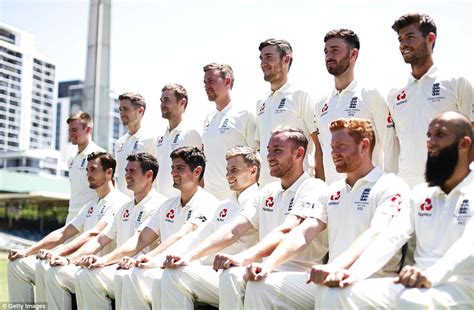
(50, 241)
(165, 244)
(130, 248)
(93, 246)
(213, 244)
(348, 257)
(263, 248)
(78, 242)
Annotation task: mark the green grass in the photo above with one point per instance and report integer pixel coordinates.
(3, 279)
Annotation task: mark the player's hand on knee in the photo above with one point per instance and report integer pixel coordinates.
(319, 273)
(43, 254)
(144, 261)
(57, 260)
(335, 278)
(174, 261)
(224, 261)
(98, 262)
(87, 260)
(257, 271)
(16, 254)
(126, 262)
(411, 276)
(349, 279)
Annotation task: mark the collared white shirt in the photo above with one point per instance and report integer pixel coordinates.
(351, 211)
(289, 106)
(81, 193)
(141, 141)
(226, 212)
(223, 130)
(172, 215)
(414, 106)
(182, 135)
(270, 208)
(99, 210)
(437, 219)
(129, 219)
(357, 102)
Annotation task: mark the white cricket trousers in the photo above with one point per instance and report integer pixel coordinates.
(181, 287)
(281, 290)
(42, 266)
(21, 279)
(136, 285)
(383, 292)
(60, 284)
(95, 287)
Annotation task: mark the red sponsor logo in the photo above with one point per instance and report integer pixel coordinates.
(207, 123)
(397, 201)
(160, 140)
(126, 214)
(223, 213)
(402, 96)
(389, 119)
(262, 108)
(91, 209)
(426, 206)
(269, 202)
(336, 196)
(170, 214)
(325, 108)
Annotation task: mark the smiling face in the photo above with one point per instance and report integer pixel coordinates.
(346, 153)
(78, 132)
(273, 67)
(240, 175)
(282, 155)
(337, 56)
(183, 176)
(136, 179)
(414, 47)
(129, 114)
(214, 85)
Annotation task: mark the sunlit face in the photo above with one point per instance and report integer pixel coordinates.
(170, 106)
(183, 176)
(134, 176)
(129, 114)
(77, 132)
(271, 64)
(337, 56)
(214, 84)
(441, 134)
(96, 175)
(413, 46)
(281, 155)
(346, 153)
(240, 175)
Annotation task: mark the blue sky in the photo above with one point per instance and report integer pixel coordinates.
(157, 42)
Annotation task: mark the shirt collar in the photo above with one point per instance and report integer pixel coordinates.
(137, 134)
(370, 177)
(151, 194)
(177, 128)
(282, 89)
(350, 88)
(195, 200)
(294, 187)
(89, 148)
(464, 187)
(247, 194)
(433, 71)
(226, 109)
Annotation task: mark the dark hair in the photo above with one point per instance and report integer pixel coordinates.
(284, 47)
(136, 100)
(192, 156)
(425, 23)
(295, 135)
(147, 162)
(349, 36)
(106, 160)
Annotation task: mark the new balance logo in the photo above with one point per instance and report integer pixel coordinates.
(365, 194)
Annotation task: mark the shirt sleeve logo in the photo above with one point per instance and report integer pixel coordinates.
(390, 123)
(262, 109)
(90, 211)
(269, 203)
(170, 214)
(160, 141)
(397, 201)
(324, 109)
(426, 207)
(222, 215)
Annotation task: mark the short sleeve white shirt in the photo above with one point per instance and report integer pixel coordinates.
(223, 130)
(81, 193)
(182, 135)
(99, 210)
(129, 218)
(285, 106)
(438, 221)
(357, 102)
(172, 215)
(270, 208)
(141, 141)
(350, 211)
(414, 106)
